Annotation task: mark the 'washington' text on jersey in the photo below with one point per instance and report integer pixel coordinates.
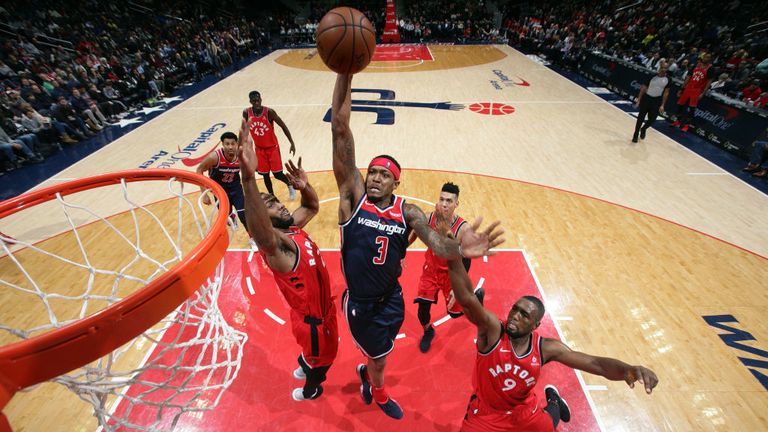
(373, 243)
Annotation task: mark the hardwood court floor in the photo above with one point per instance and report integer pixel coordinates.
(626, 280)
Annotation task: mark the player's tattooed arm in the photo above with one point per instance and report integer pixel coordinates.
(441, 246)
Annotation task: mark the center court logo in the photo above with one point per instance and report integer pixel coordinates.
(166, 159)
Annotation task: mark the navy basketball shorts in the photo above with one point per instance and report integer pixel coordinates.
(375, 324)
(237, 200)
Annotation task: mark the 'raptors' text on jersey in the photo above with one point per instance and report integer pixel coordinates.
(373, 243)
(260, 128)
(226, 173)
(504, 380)
(699, 77)
(307, 287)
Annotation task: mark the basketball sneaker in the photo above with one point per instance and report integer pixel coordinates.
(365, 387)
(676, 123)
(299, 373)
(684, 128)
(391, 408)
(291, 193)
(642, 133)
(298, 394)
(426, 340)
(552, 394)
(480, 294)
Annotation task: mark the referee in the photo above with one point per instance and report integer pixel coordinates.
(651, 100)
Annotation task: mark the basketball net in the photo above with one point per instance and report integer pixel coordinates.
(184, 363)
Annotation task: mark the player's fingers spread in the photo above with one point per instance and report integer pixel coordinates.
(492, 227)
(477, 223)
(299, 162)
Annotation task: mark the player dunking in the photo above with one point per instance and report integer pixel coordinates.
(298, 268)
(374, 235)
(261, 121)
(223, 167)
(434, 277)
(509, 359)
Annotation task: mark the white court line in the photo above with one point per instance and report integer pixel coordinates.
(708, 174)
(441, 320)
(597, 387)
(274, 317)
(250, 255)
(562, 318)
(664, 135)
(485, 258)
(250, 285)
(560, 333)
(480, 283)
(400, 336)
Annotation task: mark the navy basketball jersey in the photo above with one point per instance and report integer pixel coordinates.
(226, 173)
(373, 243)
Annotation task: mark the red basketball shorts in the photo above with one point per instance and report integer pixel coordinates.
(319, 342)
(432, 281)
(520, 418)
(689, 96)
(268, 159)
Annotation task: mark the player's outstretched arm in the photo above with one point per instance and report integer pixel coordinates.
(272, 115)
(209, 162)
(310, 203)
(273, 243)
(610, 368)
(473, 244)
(348, 178)
(487, 323)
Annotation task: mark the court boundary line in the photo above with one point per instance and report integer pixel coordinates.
(578, 373)
(664, 135)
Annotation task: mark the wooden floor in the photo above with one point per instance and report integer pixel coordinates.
(633, 243)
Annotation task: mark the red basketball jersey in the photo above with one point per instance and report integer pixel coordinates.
(430, 259)
(261, 129)
(307, 287)
(503, 380)
(698, 77)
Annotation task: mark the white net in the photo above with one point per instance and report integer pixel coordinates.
(71, 257)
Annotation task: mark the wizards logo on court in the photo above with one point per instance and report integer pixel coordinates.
(383, 106)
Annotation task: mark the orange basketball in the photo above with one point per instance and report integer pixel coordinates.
(346, 40)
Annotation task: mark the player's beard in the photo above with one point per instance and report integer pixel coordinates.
(282, 223)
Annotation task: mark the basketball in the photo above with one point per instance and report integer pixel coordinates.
(346, 40)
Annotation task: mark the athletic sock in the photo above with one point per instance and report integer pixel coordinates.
(379, 394)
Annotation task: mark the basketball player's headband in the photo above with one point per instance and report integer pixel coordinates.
(386, 163)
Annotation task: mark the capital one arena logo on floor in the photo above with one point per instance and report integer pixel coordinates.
(188, 154)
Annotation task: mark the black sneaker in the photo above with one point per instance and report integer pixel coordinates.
(551, 394)
(480, 294)
(391, 408)
(365, 387)
(642, 133)
(426, 340)
(634, 138)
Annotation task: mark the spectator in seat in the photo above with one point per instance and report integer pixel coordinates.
(759, 156)
(751, 93)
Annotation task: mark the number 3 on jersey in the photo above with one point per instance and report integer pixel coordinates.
(383, 242)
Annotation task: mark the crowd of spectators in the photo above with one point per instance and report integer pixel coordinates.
(447, 21)
(67, 71)
(651, 33)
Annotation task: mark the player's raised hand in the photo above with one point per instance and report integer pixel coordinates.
(296, 175)
(206, 198)
(475, 243)
(442, 225)
(246, 153)
(643, 375)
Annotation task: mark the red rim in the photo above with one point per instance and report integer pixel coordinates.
(56, 352)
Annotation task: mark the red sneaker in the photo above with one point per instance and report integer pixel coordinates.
(676, 123)
(684, 128)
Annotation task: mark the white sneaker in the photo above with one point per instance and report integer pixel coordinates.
(298, 394)
(299, 373)
(291, 193)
